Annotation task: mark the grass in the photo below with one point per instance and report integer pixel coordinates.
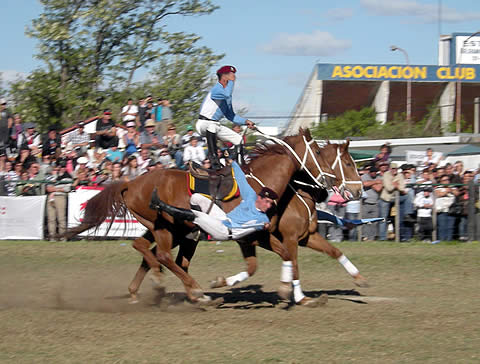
(66, 303)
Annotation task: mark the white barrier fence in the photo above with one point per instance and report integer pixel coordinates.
(23, 218)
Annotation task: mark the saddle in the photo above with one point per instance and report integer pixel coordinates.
(219, 185)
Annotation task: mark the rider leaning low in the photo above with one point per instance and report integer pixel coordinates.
(218, 104)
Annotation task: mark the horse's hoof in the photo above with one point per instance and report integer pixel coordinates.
(196, 294)
(156, 279)
(360, 281)
(284, 290)
(218, 282)
(133, 299)
(207, 301)
(312, 302)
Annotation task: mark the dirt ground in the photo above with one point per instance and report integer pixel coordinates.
(67, 303)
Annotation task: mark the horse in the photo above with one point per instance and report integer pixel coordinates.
(274, 165)
(296, 223)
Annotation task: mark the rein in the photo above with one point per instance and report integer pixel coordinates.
(344, 183)
(320, 180)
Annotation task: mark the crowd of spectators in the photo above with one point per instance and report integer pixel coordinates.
(34, 163)
(432, 186)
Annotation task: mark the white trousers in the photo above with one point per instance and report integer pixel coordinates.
(212, 222)
(223, 133)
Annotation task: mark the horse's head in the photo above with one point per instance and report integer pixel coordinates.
(348, 182)
(311, 159)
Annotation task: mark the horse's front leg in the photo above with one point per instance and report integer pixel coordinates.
(286, 276)
(249, 255)
(319, 243)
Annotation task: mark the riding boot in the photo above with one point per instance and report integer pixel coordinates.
(212, 150)
(175, 212)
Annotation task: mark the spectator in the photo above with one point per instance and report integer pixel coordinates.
(114, 154)
(336, 205)
(462, 200)
(352, 212)
(189, 135)
(46, 164)
(129, 113)
(106, 134)
(51, 143)
(454, 178)
(372, 186)
(116, 172)
(425, 177)
(142, 107)
(444, 199)
(424, 203)
(6, 123)
(458, 168)
(17, 130)
(383, 167)
(174, 144)
(193, 153)
(30, 139)
(431, 158)
(144, 160)
(165, 159)
(11, 178)
(150, 110)
(131, 170)
(160, 126)
(149, 139)
(81, 167)
(25, 157)
(207, 164)
(392, 181)
(57, 188)
(131, 139)
(79, 140)
(151, 166)
(383, 156)
(167, 115)
(81, 179)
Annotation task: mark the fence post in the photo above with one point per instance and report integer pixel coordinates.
(476, 118)
(359, 227)
(434, 219)
(397, 216)
(471, 211)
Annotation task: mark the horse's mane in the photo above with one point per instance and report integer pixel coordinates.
(267, 148)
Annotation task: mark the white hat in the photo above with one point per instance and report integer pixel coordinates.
(130, 124)
(82, 160)
(3, 101)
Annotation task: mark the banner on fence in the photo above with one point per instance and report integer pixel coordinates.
(22, 217)
(126, 226)
(418, 157)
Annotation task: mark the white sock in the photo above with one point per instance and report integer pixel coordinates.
(237, 278)
(297, 291)
(287, 272)
(347, 264)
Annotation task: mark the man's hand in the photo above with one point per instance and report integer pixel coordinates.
(266, 226)
(250, 124)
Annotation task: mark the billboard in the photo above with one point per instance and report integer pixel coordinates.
(467, 49)
(395, 72)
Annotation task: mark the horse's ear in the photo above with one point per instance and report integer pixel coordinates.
(307, 134)
(328, 141)
(300, 131)
(347, 143)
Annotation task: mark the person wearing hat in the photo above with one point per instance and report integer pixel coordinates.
(248, 217)
(424, 204)
(29, 139)
(189, 135)
(79, 139)
(372, 186)
(6, 123)
(149, 139)
(131, 139)
(392, 181)
(51, 142)
(216, 105)
(106, 133)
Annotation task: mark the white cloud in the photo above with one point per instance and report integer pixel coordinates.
(425, 12)
(317, 43)
(10, 75)
(339, 13)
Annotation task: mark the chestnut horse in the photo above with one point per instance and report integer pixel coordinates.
(297, 222)
(275, 166)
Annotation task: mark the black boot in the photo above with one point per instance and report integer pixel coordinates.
(175, 212)
(212, 150)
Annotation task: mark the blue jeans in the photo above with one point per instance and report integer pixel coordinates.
(179, 159)
(405, 208)
(445, 224)
(384, 208)
(463, 227)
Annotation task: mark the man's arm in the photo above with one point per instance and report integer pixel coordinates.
(246, 191)
(223, 99)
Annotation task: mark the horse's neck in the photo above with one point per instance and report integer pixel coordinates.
(274, 171)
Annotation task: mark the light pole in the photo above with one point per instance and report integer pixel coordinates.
(409, 85)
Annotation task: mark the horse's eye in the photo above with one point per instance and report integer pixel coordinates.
(318, 152)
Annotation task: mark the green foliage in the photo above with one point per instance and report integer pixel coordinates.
(350, 124)
(93, 48)
(363, 124)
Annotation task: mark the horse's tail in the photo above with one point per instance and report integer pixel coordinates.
(107, 203)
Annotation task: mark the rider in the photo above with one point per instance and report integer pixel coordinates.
(218, 104)
(249, 216)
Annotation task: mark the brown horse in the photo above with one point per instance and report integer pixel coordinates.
(296, 222)
(275, 166)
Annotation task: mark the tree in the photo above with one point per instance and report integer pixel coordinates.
(89, 46)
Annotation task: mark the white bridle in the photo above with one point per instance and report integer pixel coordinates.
(320, 179)
(338, 160)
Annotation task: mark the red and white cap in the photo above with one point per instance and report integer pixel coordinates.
(226, 69)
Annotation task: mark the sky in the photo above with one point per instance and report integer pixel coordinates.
(274, 44)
